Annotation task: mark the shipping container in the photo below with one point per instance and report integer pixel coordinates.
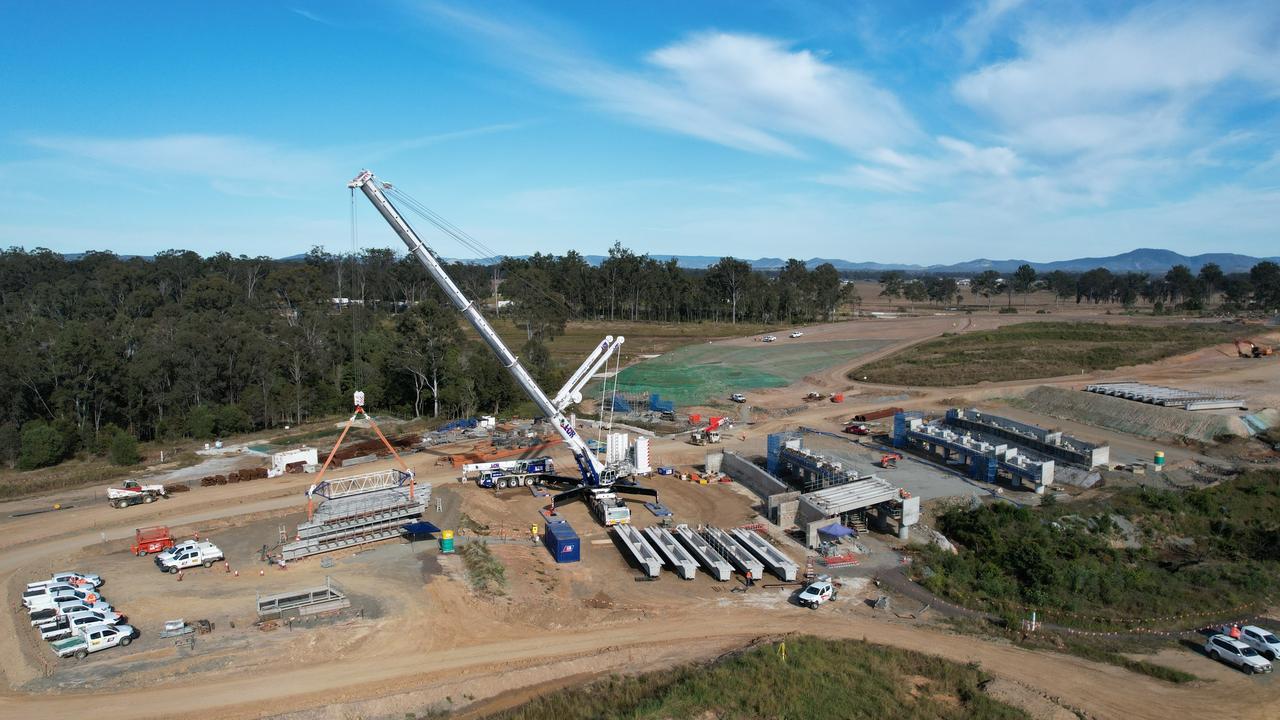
(562, 542)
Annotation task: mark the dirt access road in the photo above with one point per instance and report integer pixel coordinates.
(472, 653)
(476, 654)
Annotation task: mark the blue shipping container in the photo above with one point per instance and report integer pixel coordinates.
(563, 542)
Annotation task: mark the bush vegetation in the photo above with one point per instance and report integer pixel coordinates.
(1202, 552)
(843, 679)
(485, 572)
(1036, 350)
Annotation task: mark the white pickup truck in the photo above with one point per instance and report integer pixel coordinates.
(132, 493)
(1261, 640)
(93, 638)
(65, 626)
(188, 555)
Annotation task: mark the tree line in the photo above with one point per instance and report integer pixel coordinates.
(1178, 288)
(107, 350)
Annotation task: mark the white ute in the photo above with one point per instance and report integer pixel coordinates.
(93, 638)
(1264, 641)
(1234, 652)
(817, 592)
(188, 556)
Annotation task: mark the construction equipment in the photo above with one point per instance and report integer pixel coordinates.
(1247, 348)
(857, 429)
(132, 493)
(813, 397)
(509, 473)
(889, 460)
(597, 479)
(704, 436)
(150, 540)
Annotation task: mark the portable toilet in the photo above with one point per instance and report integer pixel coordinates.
(562, 542)
(446, 542)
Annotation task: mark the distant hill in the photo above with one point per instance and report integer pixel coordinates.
(1148, 260)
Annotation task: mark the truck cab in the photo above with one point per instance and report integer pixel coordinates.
(610, 509)
(188, 555)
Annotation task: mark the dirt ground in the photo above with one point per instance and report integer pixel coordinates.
(418, 636)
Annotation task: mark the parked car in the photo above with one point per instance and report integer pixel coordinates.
(817, 592)
(797, 334)
(769, 338)
(1234, 652)
(857, 429)
(67, 607)
(42, 596)
(738, 397)
(67, 625)
(78, 579)
(88, 596)
(186, 556)
(1264, 641)
(93, 638)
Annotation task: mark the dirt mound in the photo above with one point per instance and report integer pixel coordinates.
(1127, 416)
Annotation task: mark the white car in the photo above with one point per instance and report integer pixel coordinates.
(89, 597)
(68, 625)
(1264, 641)
(769, 338)
(1234, 652)
(817, 592)
(188, 556)
(68, 607)
(40, 593)
(797, 334)
(77, 579)
(738, 397)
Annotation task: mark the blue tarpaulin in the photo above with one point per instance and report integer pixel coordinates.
(837, 530)
(420, 528)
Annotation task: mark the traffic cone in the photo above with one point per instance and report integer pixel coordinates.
(261, 572)
(179, 576)
(237, 574)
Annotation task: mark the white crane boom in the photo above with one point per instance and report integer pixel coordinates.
(572, 391)
(592, 471)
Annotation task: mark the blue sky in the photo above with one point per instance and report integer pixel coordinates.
(896, 132)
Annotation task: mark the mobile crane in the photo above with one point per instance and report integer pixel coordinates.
(597, 484)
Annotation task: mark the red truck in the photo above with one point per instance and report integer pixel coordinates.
(149, 540)
(857, 429)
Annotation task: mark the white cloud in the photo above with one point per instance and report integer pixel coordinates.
(976, 30)
(743, 91)
(224, 158)
(1125, 85)
(948, 159)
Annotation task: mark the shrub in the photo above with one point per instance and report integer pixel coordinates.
(201, 422)
(124, 449)
(231, 419)
(41, 446)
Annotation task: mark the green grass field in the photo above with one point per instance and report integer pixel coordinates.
(1036, 350)
(706, 372)
(818, 679)
(643, 338)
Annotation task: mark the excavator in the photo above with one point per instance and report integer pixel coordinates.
(1247, 348)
